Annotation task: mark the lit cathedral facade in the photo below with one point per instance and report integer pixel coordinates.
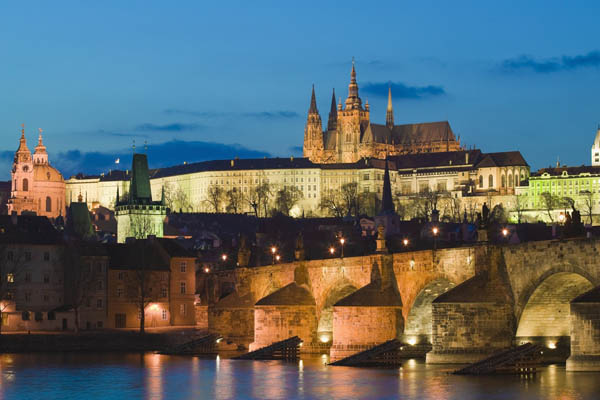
(351, 136)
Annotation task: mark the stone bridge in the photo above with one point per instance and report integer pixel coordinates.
(467, 302)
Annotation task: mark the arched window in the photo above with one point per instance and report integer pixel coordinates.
(491, 181)
(503, 180)
(48, 204)
(25, 185)
(517, 183)
(481, 181)
(510, 181)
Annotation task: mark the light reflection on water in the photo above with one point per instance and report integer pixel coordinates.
(152, 376)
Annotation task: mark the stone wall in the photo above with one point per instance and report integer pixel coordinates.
(468, 332)
(359, 328)
(234, 324)
(585, 337)
(280, 322)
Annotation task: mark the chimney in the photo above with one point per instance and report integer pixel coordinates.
(466, 157)
(232, 163)
(292, 158)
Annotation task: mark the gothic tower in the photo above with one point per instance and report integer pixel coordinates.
(313, 132)
(389, 115)
(352, 121)
(332, 122)
(21, 193)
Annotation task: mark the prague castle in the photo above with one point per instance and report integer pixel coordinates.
(350, 134)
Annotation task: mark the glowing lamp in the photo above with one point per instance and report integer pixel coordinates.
(412, 341)
(552, 345)
(324, 338)
(206, 269)
(342, 241)
(505, 232)
(277, 257)
(331, 250)
(224, 257)
(405, 242)
(273, 249)
(435, 230)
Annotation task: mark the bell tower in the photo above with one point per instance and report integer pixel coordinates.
(21, 193)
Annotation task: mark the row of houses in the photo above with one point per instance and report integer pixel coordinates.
(51, 281)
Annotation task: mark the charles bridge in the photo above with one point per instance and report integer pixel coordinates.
(465, 303)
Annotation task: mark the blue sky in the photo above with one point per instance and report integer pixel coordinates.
(200, 80)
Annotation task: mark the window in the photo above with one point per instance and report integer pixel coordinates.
(10, 278)
(491, 181)
(503, 181)
(119, 292)
(46, 277)
(98, 268)
(39, 316)
(27, 256)
(164, 315)
(99, 324)
(10, 256)
(46, 298)
(182, 266)
(25, 185)
(48, 204)
(510, 180)
(27, 297)
(25, 316)
(88, 302)
(46, 256)
(51, 316)
(121, 276)
(99, 303)
(182, 287)
(163, 292)
(99, 285)
(182, 309)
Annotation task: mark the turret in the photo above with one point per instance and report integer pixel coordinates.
(353, 101)
(313, 132)
(332, 122)
(389, 115)
(596, 149)
(40, 156)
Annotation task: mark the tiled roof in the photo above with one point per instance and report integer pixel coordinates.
(571, 171)
(502, 159)
(29, 229)
(439, 159)
(137, 255)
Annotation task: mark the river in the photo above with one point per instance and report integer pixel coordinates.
(153, 376)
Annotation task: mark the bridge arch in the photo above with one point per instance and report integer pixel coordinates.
(545, 313)
(335, 294)
(417, 328)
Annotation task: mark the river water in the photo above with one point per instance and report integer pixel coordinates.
(153, 376)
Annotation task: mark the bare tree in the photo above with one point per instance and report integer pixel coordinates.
(519, 207)
(141, 225)
(550, 202)
(451, 207)
(80, 278)
(332, 202)
(349, 192)
(588, 203)
(215, 196)
(235, 199)
(258, 198)
(286, 198)
(176, 198)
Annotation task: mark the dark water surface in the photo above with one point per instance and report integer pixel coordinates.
(152, 376)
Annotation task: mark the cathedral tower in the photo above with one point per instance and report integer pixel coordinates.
(596, 149)
(21, 193)
(389, 114)
(313, 132)
(352, 121)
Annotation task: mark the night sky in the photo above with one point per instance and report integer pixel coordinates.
(201, 80)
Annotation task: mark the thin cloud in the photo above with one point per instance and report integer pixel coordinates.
(526, 63)
(296, 150)
(165, 154)
(173, 127)
(276, 114)
(402, 91)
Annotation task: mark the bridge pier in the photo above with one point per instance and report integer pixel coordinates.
(585, 332)
(233, 318)
(474, 319)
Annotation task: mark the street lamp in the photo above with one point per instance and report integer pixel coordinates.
(435, 231)
(405, 242)
(273, 251)
(342, 241)
(331, 250)
(206, 269)
(224, 257)
(277, 257)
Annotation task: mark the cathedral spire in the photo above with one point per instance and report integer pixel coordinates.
(313, 103)
(389, 115)
(387, 204)
(353, 101)
(332, 122)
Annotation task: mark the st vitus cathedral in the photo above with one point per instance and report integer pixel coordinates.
(350, 134)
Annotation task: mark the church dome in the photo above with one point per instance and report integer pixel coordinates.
(46, 173)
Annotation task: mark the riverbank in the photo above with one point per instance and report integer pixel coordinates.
(93, 341)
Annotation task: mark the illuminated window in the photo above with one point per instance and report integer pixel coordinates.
(182, 287)
(10, 278)
(182, 266)
(164, 315)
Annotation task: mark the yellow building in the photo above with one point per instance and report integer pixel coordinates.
(156, 275)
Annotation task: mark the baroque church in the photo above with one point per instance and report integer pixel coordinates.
(351, 136)
(36, 186)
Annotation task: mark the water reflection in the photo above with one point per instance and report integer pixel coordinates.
(123, 376)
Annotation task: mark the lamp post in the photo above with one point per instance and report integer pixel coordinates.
(342, 241)
(273, 251)
(277, 257)
(405, 243)
(331, 251)
(505, 233)
(435, 232)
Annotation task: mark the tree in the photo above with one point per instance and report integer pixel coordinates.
(332, 203)
(350, 198)
(550, 202)
(451, 207)
(214, 197)
(424, 202)
(369, 203)
(140, 226)
(80, 278)
(258, 198)
(588, 204)
(235, 199)
(519, 207)
(176, 199)
(286, 198)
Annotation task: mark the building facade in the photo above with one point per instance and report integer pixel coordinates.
(36, 186)
(351, 136)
